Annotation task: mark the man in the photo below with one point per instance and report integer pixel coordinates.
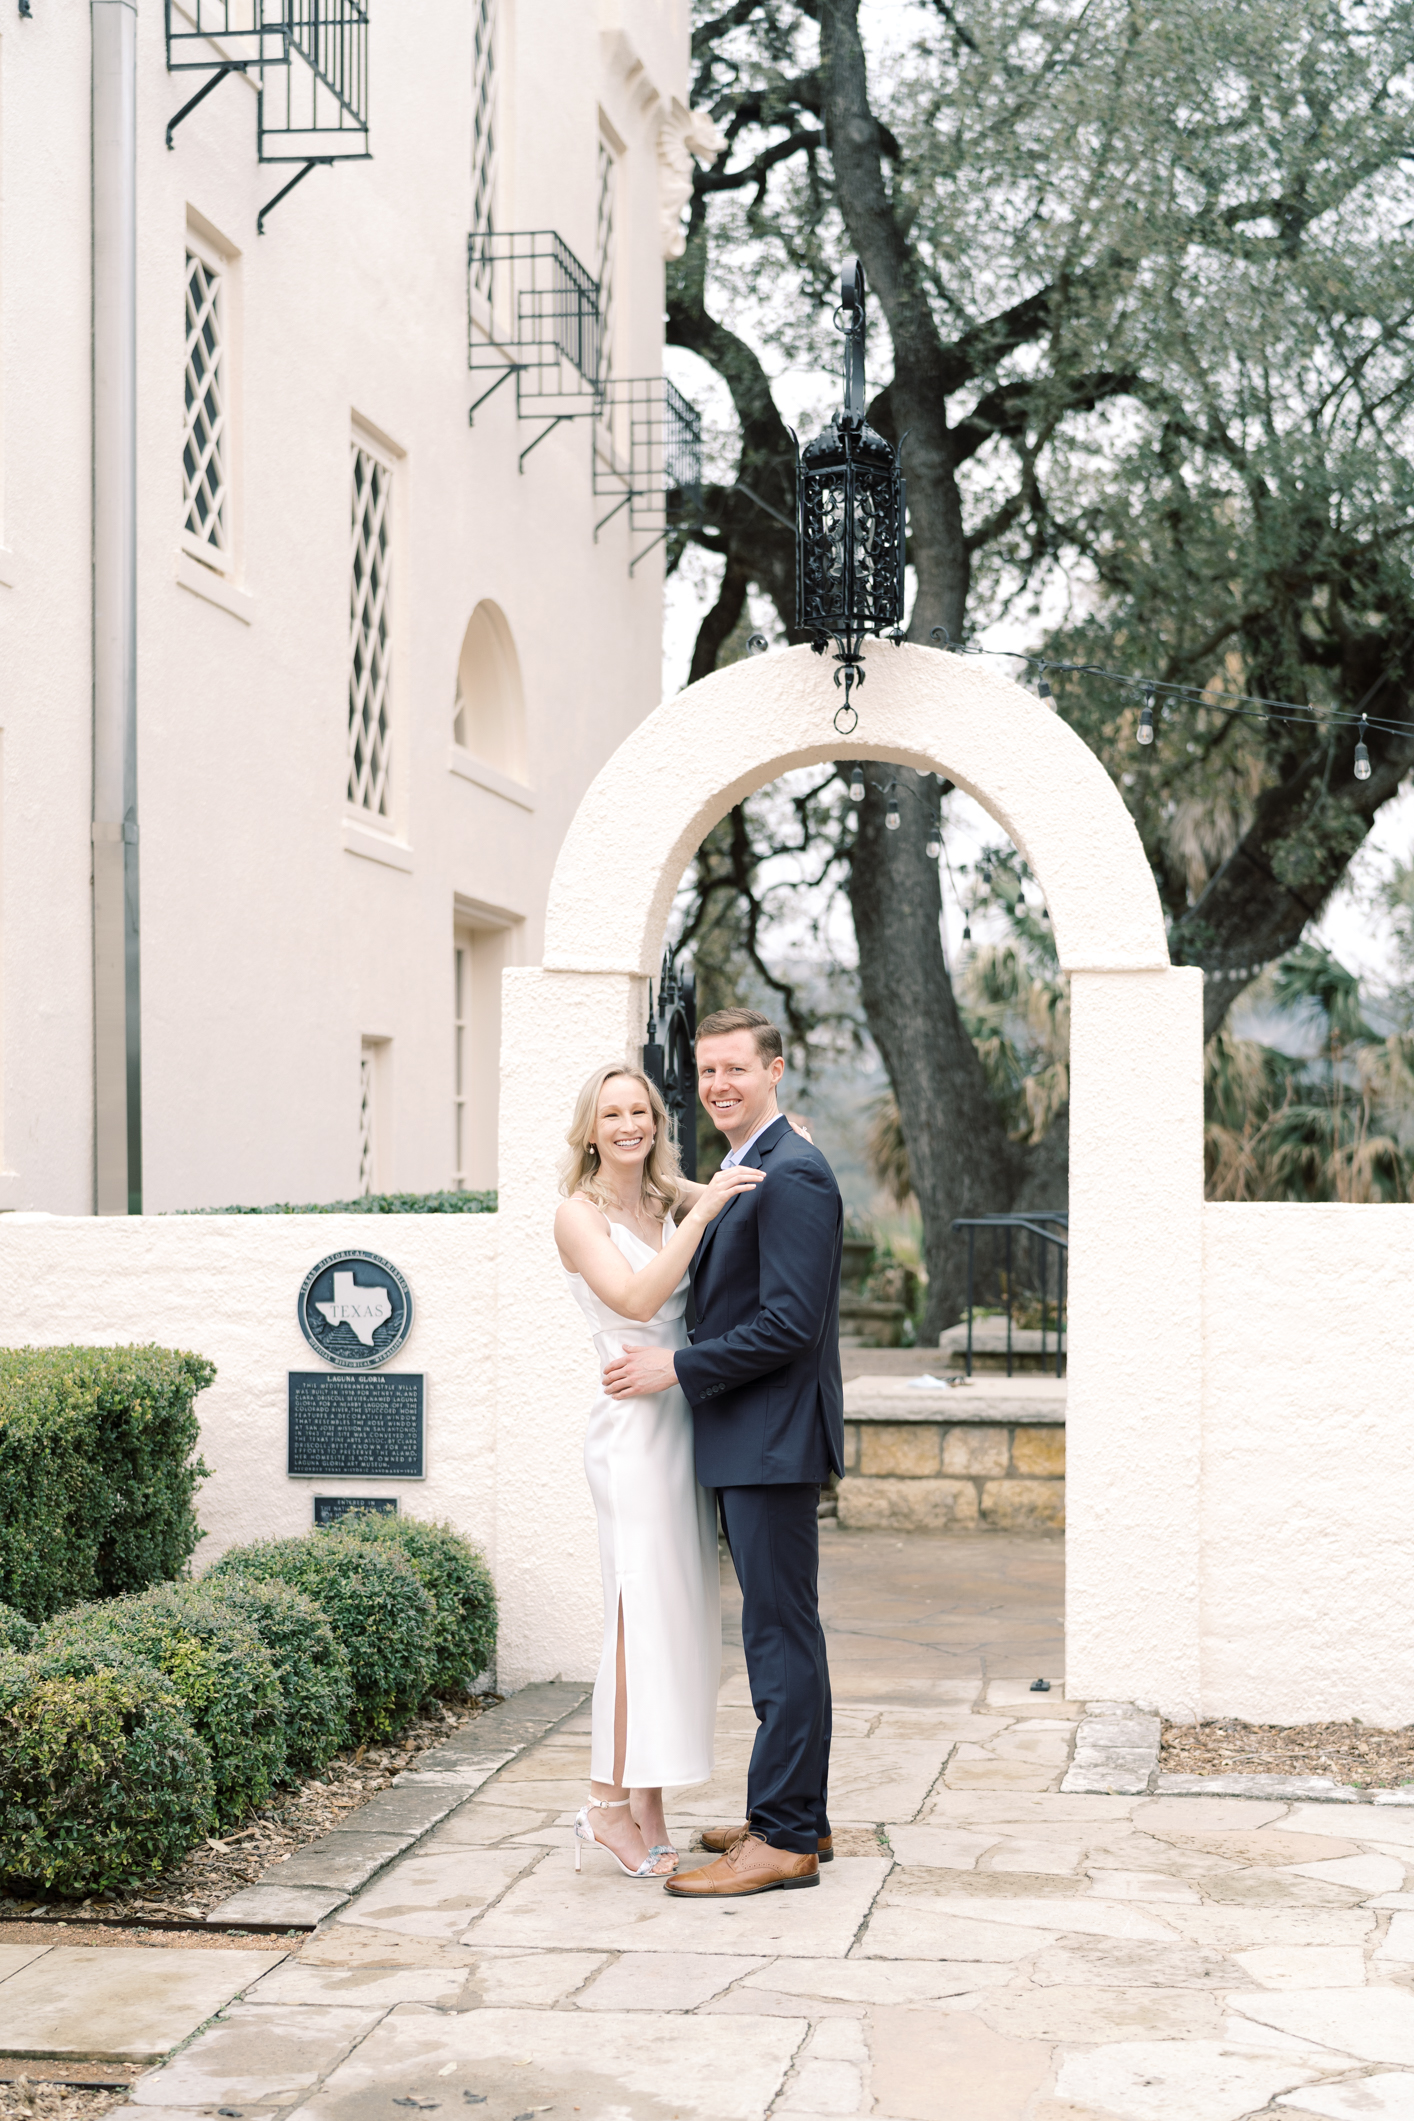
(763, 1379)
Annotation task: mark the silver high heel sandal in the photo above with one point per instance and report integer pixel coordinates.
(585, 1837)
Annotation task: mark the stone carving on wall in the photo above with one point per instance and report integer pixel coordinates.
(683, 135)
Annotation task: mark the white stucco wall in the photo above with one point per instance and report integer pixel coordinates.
(1308, 1462)
(225, 1286)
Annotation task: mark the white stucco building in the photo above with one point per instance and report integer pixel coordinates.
(373, 652)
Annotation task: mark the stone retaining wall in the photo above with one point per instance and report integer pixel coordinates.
(985, 1457)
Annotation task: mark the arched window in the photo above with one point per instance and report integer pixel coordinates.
(489, 716)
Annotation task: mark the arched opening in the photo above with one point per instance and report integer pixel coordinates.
(488, 715)
(1134, 1396)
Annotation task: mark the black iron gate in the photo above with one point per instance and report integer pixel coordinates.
(670, 1056)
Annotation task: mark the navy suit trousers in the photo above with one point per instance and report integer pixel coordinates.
(774, 1537)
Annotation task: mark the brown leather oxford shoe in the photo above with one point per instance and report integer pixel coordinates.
(720, 1838)
(750, 1865)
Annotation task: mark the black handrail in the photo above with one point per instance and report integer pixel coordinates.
(1034, 1224)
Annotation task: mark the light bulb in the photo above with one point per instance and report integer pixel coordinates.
(1021, 901)
(891, 816)
(1362, 756)
(967, 931)
(1146, 720)
(856, 785)
(1043, 686)
(757, 644)
(933, 847)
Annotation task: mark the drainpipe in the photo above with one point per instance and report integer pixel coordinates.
(117, 1040)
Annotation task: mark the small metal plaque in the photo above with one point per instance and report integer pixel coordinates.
(355, 1310)
(356, 1427)
(328, 1509)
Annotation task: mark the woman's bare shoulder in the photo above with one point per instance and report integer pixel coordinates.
(579, 1208)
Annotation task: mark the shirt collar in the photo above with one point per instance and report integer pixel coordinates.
(734, 1156)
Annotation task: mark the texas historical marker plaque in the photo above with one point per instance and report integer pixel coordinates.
(358, 1427)
(355, 1420)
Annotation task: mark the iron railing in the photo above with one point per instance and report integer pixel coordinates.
(647, 447)
(533, 313)
(316, 106)
(245, 33)
(1048, 1231)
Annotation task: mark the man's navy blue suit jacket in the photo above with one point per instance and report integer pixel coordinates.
(763, 1373)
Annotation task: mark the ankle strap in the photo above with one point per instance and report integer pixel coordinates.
(606, 1804)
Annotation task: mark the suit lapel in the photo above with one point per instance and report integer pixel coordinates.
(764, 1142)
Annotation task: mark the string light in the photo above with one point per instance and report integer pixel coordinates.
(856, 784)
(892, 819)
(933, 846)
(1043, 686)
(1251, 706)
(757, 644)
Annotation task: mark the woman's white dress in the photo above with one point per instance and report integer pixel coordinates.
(658, 1552)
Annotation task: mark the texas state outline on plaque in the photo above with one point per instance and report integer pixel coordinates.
(362, 1305)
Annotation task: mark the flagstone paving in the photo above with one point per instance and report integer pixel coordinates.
(984, 1948)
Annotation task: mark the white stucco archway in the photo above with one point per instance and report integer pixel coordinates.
(1136, 1131)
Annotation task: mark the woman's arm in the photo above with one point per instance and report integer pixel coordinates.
(581, 1232)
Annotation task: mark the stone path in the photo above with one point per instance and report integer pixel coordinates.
(984, 1948)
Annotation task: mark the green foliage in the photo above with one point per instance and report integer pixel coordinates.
(213, 1661)
(375, 1603)
(97, 1477)
(461, 1203)
(457, 1579)
(103, 1781)
(16, 1633)
(311, 1666)
(1337, 1124)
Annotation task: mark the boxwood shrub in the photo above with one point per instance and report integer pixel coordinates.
(311, 1665)
(375, 1604)
(97, 1476)
(213, 1661)
(450, 1568)
(103, 1781)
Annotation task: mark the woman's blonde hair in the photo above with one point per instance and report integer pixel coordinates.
(581, 1170)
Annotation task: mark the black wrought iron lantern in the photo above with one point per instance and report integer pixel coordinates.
(849, 532)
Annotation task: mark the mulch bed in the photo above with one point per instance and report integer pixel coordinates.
(215, 1870)
(1346, 1752)
(29, 2099)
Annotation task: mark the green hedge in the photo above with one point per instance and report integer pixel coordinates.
(464, 1639)
(370, 1204)
(311, 1665)
(103, 1781)
(376, 1605)
(215, 1663)
(16, 1633)
(97, 1477)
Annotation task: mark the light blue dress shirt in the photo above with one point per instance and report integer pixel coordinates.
(734, 1156)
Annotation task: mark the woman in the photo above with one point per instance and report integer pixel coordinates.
(655, 1698)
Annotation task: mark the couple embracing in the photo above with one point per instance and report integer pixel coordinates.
(749, 1405)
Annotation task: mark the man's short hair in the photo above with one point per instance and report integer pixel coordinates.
(768, 1039)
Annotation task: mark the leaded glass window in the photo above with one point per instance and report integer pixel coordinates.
(370, 640)
(205, 504)
(367, 1119)
(604, 257)
(483, 136)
